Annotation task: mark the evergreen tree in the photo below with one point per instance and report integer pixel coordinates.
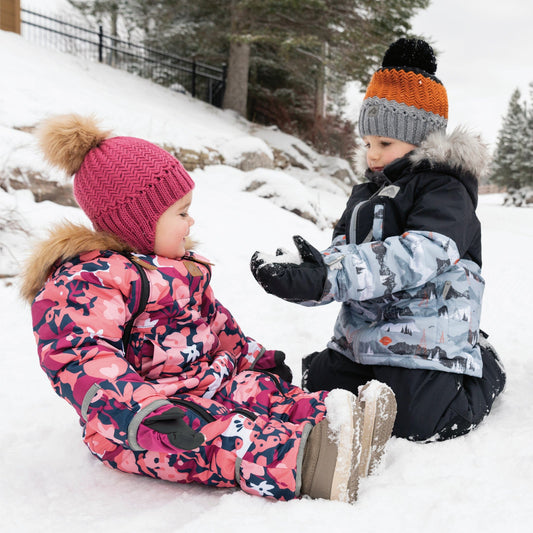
(106, 12)
(286, 58)
(508, 161)
(527, 156)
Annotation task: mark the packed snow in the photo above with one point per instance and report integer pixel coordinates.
(50, 482)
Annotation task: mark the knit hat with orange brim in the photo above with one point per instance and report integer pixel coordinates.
(404, 99)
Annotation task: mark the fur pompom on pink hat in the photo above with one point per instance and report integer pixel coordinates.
(123, 184)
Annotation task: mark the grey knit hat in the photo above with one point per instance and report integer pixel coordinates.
(404, 99)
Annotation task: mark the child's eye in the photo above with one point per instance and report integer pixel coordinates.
(385, 143)
(184, 215)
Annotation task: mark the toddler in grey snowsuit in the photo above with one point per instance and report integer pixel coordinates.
(405, 261)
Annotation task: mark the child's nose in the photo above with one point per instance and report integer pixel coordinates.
(372, 154)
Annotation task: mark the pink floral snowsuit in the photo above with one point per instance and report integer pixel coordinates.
(186, 350)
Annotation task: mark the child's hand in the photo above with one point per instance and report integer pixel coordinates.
(170, 424)
(293, 278)
(273, 361)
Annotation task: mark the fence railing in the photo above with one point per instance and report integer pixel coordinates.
(202, 81)
(491, 188)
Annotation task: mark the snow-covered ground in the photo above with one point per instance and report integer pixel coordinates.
(49, 481)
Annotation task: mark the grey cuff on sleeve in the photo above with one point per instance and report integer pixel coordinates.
(137, 420)
(263, 350)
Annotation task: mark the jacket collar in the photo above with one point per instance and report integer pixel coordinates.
(458, 152)
(462, 151)
(65, 242)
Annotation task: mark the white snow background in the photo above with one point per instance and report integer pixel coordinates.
(482, 482)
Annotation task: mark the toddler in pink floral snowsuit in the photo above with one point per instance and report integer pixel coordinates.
(185, 396)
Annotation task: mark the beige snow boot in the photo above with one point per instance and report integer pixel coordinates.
(378, 403)
(330, 467)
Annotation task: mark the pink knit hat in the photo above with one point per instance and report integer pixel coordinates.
(123, 184)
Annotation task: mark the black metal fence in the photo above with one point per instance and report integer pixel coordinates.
(202, 81)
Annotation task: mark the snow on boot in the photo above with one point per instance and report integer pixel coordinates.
(378, 403)
(330, 466)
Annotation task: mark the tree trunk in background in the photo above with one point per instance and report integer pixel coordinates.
(114, 33)
(321, 86)
(236, 94)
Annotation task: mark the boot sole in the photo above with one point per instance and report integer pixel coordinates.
(379, 407)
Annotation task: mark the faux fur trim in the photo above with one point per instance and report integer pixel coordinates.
(359, 160)
(460, 149)
(65, 242)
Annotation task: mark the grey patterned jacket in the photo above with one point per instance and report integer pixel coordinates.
(405, 261)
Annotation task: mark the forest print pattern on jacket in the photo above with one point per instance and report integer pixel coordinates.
(405, 261)
(185, 350)
(409, 302)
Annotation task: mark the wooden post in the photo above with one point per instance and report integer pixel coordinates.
(10, 15)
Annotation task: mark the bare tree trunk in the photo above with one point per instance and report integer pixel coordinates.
(320, 98)
(321, 95)
(236, 94)
(114, 34)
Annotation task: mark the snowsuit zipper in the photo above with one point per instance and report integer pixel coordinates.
(244, 412)
(352, 233)
(200, 411)
(206, 415)
(275, 379)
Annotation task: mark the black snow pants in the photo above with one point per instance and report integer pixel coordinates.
(432, 405)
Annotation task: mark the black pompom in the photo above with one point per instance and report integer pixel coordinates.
(410, 53)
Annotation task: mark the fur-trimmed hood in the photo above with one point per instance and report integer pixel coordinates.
(461, 150)
(66, 241)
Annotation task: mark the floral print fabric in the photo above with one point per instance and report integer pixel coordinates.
(185, 350)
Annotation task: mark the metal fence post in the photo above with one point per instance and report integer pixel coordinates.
(193, 83)
(100, 43)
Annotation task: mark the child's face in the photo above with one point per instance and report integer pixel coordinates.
(172, 228)
(380, 151)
